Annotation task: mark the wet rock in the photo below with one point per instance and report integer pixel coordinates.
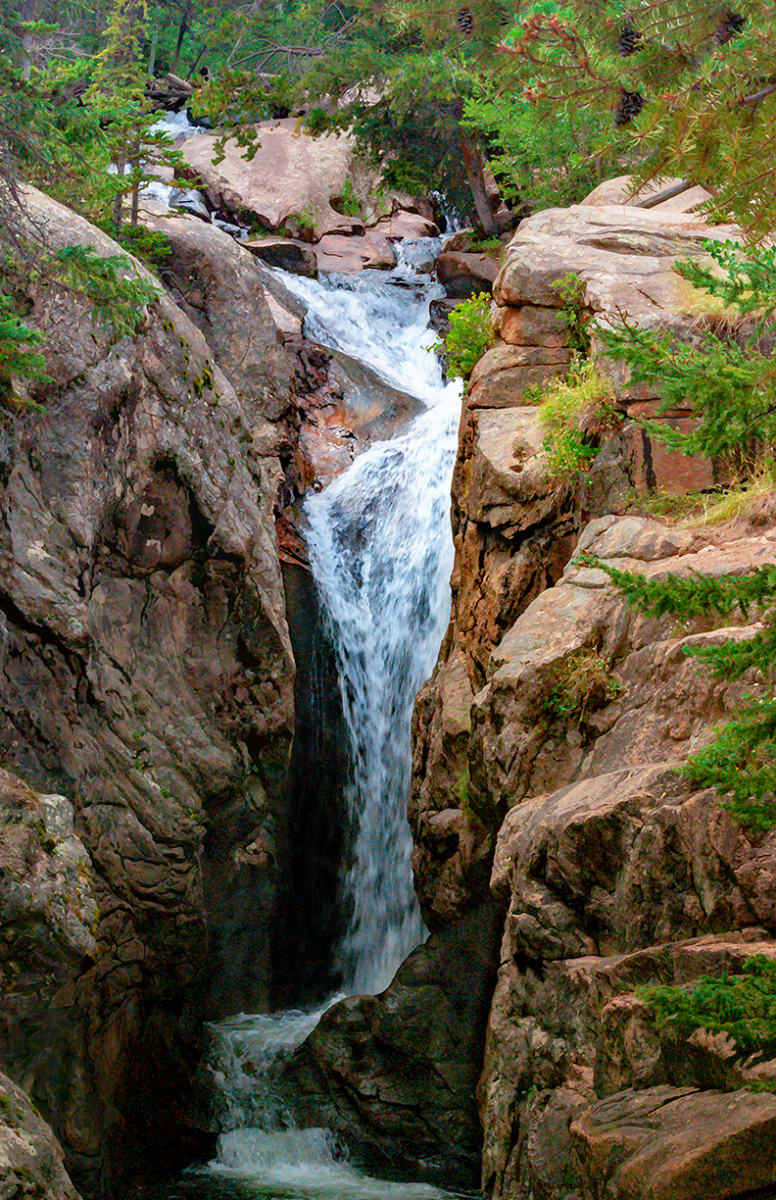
(465, 274)
(439, 314)
(396, 1074)
(294, 257)
(30, 1156)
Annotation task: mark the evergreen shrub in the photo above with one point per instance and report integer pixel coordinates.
(742, 1006)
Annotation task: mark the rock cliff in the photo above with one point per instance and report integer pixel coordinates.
(147, 676)
(609, 869)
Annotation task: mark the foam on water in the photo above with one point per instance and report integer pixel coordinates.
(381, 553)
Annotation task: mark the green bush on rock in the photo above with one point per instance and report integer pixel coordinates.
(742, 1006)
(574, 412)
(584, 683)
(469, 337)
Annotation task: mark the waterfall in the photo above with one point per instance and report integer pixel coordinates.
(381, 553)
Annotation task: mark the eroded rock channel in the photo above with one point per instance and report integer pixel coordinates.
(225, 558)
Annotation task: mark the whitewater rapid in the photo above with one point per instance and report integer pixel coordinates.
(381, 554)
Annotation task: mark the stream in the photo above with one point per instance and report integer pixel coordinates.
(381, 554)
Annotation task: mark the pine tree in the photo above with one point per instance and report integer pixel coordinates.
(740, 760)
(689, 90)
(725, 375)
(117, 96)
(727, 379)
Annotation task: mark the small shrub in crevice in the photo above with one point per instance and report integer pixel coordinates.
(469, 337)
(742, 1006)
(571, 291)
(347, 202)
(19, 356)
(574, 412)
(584, 683)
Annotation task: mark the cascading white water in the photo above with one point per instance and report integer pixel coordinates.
(381, 553)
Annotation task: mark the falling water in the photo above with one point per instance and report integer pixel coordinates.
(381, 554)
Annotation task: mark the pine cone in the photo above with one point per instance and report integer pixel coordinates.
(731, 24)
(465, 22)
(629, 40)
(629, 106)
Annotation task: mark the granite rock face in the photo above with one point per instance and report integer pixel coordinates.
(396, 1074)
(30, 1157)
(146, 674)
(613, 873)
(304, 185)
(609, 870)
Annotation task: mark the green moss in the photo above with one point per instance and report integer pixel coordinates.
(461, 789)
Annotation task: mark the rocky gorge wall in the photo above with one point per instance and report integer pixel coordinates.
(160, 861)
(147, 675)
(609, 870)
(150, 567)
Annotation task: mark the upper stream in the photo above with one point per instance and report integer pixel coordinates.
(381, 555)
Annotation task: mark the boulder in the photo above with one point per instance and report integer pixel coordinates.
(623, 257)
(531, 326)
(346, 254)
(30, 1156)
(465, 274)
(677, 1144)
(504, 374)
(621, 191)
(291, 176)
(395, 1074)
(374, 247)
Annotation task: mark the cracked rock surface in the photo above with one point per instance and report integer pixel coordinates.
(146, 675)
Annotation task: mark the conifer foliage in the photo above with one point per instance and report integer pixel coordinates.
(689, 89)
(740, 760)
(117, 96)
(727, 379)
(726, 374)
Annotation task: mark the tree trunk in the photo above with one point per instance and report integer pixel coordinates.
(118, 199)
(27, 44)
(472, 160)
(135, 208)
(152, 54)
(182, 28)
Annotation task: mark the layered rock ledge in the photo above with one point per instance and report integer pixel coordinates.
(611, 872)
